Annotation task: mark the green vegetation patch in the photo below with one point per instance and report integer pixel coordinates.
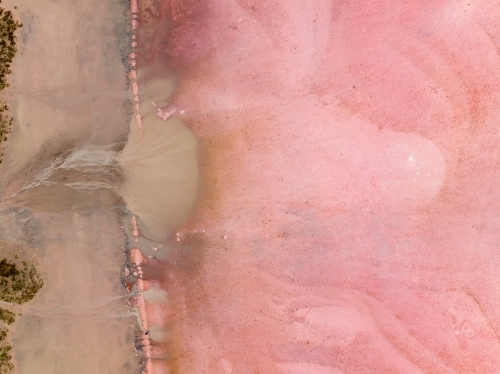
(7, 316)
(5, 124)
(8, 49)
(18, 282)
(5, 348)
(18, 285)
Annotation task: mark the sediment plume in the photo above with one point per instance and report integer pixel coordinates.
(162, 176)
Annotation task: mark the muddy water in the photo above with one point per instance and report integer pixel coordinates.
(162, 163)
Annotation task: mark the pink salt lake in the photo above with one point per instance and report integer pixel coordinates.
(345, 220)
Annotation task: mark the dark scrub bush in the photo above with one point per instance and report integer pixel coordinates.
(8, 50)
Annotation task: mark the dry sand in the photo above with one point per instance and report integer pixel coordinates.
(68, 85)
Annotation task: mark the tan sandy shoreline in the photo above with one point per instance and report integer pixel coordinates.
(68, 86)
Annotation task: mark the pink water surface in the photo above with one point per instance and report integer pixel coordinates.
(347, 219)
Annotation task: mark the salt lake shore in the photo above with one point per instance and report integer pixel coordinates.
(68, 86)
